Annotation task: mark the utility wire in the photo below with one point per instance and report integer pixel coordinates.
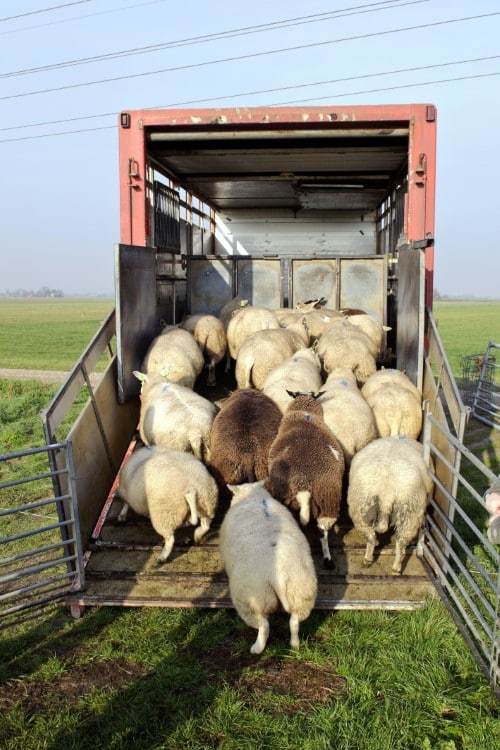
(332, 96)
(43, 10)
(79, 18)
(261, 91)
(253, 55)
(217, 36)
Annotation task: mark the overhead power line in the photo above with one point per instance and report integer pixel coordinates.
(217, 36)
(253, 55)
(330, 96)
(43, 10)
(310, 84)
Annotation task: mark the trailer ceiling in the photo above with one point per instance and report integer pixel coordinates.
(347, 169)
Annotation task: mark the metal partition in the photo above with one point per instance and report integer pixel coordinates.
(411, 311)
(486, 404)
(462, 563)
(100, 429)
(41, 551)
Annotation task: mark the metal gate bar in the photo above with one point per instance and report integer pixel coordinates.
(462, 562)
(35, 572)
(486, 404)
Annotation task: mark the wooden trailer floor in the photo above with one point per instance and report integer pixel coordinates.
(122, 570)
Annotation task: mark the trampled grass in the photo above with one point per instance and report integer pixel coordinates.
(161, 679)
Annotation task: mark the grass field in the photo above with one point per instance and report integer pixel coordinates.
(466, 328)
(48, 334)
(159, 679)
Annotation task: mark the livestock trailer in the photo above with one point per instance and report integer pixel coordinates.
(276, 205)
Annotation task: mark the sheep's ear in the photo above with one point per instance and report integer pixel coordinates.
(165, 372)
(233, 488)
(292, 394)
(314, 345)
(317, 394)
(386, 328)
(140, 376)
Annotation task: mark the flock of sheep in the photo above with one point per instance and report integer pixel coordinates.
(312, 421)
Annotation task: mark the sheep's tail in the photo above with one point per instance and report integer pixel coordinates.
(190, 498)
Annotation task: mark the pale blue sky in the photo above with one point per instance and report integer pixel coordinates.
(60, 193)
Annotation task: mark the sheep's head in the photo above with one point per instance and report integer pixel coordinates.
(306, 402)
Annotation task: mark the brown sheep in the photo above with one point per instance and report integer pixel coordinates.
(306, 467)
(241, 435)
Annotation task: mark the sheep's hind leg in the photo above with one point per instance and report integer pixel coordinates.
(294, 631)
(262, 636)
(167, 548)
(371, 543)
(202, 529)
(211, 373)
(122, 515)
(324, 526)
(190, 498)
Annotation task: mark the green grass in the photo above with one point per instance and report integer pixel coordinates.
(466, 328)
(48, 334)
(159, 679)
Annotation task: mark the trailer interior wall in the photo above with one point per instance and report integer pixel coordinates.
(283, 204)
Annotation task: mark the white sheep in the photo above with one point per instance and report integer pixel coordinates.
(268, 562)
(396, 403)
(389, 486)
(210, 335)
(347, 414)
(389, 376)
(172, 489)
(230, 308)
(317, 318)
(263, 350)
(174, 416)
(375, 330)
(299, 373)
(246, 321)
(306, 467)
(345, 345)
(176, 354)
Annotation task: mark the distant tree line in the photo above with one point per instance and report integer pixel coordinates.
(44, 291)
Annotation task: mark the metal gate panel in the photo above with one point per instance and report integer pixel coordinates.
(315, 278)
(40, 545)
(486, 404)
(137, 316)
(210, 284)
(411, 313)
(463, 564)
(259, 280)
(363, 285)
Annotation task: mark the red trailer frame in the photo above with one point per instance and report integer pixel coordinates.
(419, 119)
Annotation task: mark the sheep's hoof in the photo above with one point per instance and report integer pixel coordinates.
(328, 563)
(396, 572)
(367, 563)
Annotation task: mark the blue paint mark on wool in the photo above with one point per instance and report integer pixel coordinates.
(307, 417)
(266, 510)
(165, 387)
